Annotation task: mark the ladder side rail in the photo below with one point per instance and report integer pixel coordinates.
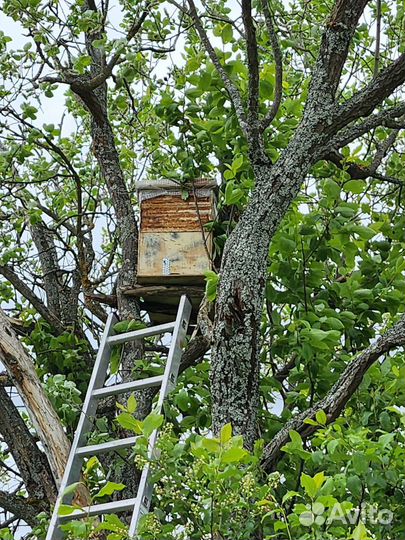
(145, 487)
(175, 351)
(73, 466)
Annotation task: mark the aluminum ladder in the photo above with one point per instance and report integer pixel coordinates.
(96, 390)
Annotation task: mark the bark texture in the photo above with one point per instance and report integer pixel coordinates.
(235, 358)
(19, 506)
(42, 414)
(31, 462)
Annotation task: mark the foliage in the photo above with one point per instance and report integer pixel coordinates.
(65, 397)
(214, 488)
(335, 278)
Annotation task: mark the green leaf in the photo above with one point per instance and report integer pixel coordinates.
(131, 404)
(311, 422)
(205, 81)
(112, 523)
(115, 359)
(321, 418)
(227, 33)
(109, 489)
(289, 495)
(332, 445)
(121, 327)
(66, 509)
(266, 89)
(279, 526)
(360, 463)
(386, 439)
(29, 111)
(75, 529)
(237, 163)
(212, 445)
(152, 421)
(366, 233)
(72, 488)
(226, 433)
(212, 280)
(360, 532)
(182, 400)
(354, 485)
(98, 43)
(331, 188)
(91, 464)
(295, 437)
(355, 186)
(134, 325)
(233, 454)
(127, 421)
(319, 480)
(82, 63)
(295, 447)
(232, 194)
(335, 323)
(309, 485)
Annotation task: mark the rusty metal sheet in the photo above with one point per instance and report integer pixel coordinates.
(172, 214)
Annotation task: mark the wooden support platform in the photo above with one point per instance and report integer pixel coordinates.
(161, 301)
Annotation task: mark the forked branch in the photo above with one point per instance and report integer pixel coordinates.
(334, 402)
(278, 60)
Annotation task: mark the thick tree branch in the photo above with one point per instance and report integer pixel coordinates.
(42, 414)
(278, 60)
(48, 258)
(334, 402)
(230, 86)
(20, 507)
(107, 299)
(377, 52)
(32, 298)
(31, 462)
(385, 118)
(253, 65)
(194, 352)
(361, 172)
(381, 87)
(101, 77)
(335, 47)
(238, 312)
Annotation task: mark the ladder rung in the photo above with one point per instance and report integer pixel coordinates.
(127, 387)
(108, 446)
(100, 509)
(145, 332)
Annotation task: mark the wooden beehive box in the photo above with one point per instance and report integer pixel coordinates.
(174, 247)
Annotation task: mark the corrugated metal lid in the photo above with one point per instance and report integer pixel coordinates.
(172, 184)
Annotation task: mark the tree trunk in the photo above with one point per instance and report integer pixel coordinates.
(235, 352)
(31, 461)
(42, 414)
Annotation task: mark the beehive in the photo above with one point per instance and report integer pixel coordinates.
(174, 247)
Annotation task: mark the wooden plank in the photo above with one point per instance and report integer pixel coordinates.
(175, 291)
(184, 251)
